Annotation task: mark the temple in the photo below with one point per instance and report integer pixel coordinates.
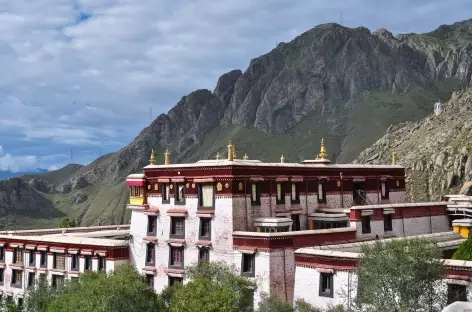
(290, 227)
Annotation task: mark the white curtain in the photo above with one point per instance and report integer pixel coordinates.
(254, 192)
(320, 191)
(279, 191)
(383, 188)
(294, 191)
(181, 192)
(166, 191)
(207, 195)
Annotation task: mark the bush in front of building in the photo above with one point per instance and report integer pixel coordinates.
(274, 304)
(464, 252)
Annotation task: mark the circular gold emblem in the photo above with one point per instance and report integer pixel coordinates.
(193, 185)
(149, 186)
(156, 187)
(240, 186)
(171, 186)
(219, 187)
(187, 185)
(227, 185)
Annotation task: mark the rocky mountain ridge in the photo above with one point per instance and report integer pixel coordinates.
(347, 85)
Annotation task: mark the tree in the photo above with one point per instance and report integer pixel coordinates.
(399, 275)
(66, 222)
(273, 304)
(464, 252)
(227, 277)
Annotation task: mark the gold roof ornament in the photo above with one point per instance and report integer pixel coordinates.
(394, 158)
(323, 153)
(230, 151)
(152, 160)
(167, 157)
(282, 159)
(217, 155)
(245, 157)
(234, 152)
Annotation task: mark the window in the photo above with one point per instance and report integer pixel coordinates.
(16, 278)
(365, 224)
(31, 257)
(18, 255)
(180, 194)
(156, 187)
(296, 222)
(74, 263)
(176, 257)
(88, 263)
(43, 259)
(57, 280)
(150, 280)
(247, 265)
(165, 193)
(177, 227)
(203, 254)
(206, 195)
(456, 293)
(102, 263)
(152, 225)
(280, 194)
(255, 194)
(59, 261)
(2, 254)
(136, 191)
(321, 193)
(150, 252)
(295, 194)
(20, 302)
(385, 190)
(2, 275)
(205, 229)
(174, 280)
(326, 285)
(387, 222)
(74, 279)
(31, 276)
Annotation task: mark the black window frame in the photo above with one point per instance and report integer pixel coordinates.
(173, 221)
(176, 192)
(204, 221)
(321, 199)
(43, 259)
(152, 221)
(296, 226)
(326, 278)
(257, 201)
(387, 190)
(101, 263)
(297, 193)
(14, 282)
(280, 201)
(365, 224)
(54, 260)
(75, 259)
(55, 278)
(200, 196)
(31, 257)
(165, 188)
(203, 254)
(173, 280)
(171, 257)
(18, 251)
(150, 259)
(149, 278)
(2, 276)
(2, 254)
(88, 260)
(248, 258)
(31, 279)
(20, 302)
(459, 294)
(388, 222)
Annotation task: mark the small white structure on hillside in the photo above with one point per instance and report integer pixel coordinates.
(437, 108)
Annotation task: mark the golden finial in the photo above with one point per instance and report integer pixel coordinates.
(282, 159)
(217, 155)
(323, 154)
(167, 157)
(230, 151)
(394, 158)
(245, 157)
(152, 160)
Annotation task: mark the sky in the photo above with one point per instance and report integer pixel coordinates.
(79, 77)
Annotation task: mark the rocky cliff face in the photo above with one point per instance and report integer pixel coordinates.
(437, 151)
(347, 85)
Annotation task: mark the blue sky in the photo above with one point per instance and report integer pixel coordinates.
(82, 75)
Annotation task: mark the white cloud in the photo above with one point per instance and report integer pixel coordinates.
(128, 55)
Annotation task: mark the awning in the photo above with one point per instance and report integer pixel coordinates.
(135, 183)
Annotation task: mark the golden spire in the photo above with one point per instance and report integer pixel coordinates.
(394, 158)
(230, 151)
(217, 155)
(282, 159)
(152, 160)
(323, 154)
(167, 157)
(245, 157)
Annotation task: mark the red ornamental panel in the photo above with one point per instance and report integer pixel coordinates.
(135, 183)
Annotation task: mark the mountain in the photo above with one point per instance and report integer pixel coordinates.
(437, 150)
(348, 85)
(4, 175)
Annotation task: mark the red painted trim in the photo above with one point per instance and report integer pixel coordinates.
(135, 183)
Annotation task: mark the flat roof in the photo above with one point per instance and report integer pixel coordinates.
(103, 242)
(252, 163)
(294, 233)
(399, 205)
